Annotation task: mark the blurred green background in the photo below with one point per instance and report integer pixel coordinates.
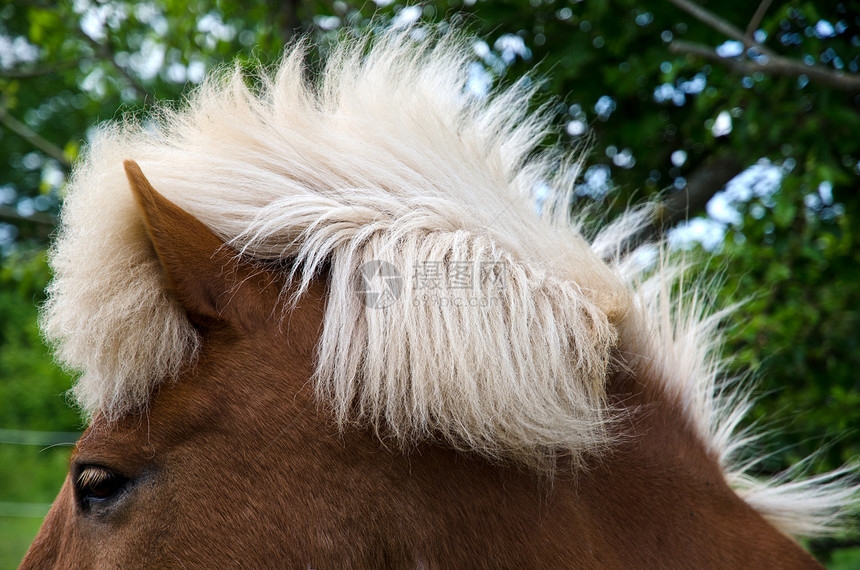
(744, 116)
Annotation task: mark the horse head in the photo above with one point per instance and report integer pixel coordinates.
(338, 329)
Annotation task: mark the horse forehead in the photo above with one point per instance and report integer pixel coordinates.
(214, 392)
(183, 405)
(122, 444)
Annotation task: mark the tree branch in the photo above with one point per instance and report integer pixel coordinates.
(749, 37)
(775, 65)
(705, 181)
(33, 138)
(104, 51)
(771, 64)
(284, 18)
(710, 19)
(31, 73)
(37, 217)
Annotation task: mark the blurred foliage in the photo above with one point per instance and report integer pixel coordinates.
(800, 271)
(657, 117)
(32, 388)
(32, 397)
(16, 534)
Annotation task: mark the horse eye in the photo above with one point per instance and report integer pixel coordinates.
(97, 485)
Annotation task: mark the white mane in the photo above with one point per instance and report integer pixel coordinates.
(387, 156)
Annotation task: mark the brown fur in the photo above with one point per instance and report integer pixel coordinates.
(236, 464)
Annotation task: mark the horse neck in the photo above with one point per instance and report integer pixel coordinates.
(660, 480)
(657, 480)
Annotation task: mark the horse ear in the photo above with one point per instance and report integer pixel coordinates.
(203, 273)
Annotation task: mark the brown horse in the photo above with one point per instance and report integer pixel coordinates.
(335, 334)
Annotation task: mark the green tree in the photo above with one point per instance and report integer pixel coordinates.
(742, 116)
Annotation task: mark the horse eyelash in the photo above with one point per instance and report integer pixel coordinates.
(92, 476)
